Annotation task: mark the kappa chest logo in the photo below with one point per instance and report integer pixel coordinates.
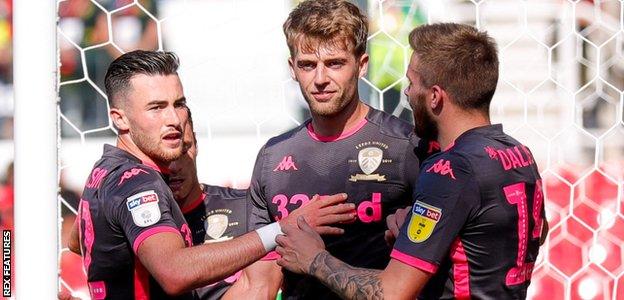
(286, 164)
(442, 167)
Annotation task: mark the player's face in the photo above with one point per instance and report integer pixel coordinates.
(183, 175)
(157, 113)
(425, 125)
(328, 78)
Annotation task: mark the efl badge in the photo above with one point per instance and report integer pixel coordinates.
(370, 159)
(144, 208)
(216, 225)
(424, 219)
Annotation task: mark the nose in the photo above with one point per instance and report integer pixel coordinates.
(320, 77)
(172, 118)
(405, 90)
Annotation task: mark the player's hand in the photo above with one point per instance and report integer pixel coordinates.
(298, 247)
(323, 211)
(394, 223)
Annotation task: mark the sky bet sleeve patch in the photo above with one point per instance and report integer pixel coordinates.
(144, 208)
(423, 221)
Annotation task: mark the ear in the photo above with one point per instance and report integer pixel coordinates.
(291, 67)
(119, 118)
(363, 64)
(437, 97)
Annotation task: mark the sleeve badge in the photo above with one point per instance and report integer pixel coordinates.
(144, 208)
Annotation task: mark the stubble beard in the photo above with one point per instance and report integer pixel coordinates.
(154, 149)
(425, 126)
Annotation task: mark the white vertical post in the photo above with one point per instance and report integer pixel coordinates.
(35, 137)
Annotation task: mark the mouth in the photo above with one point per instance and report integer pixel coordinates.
(173, 138)
(175, 183)
(323, 96)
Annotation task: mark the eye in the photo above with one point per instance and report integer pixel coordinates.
(306, 66)
(335, 64)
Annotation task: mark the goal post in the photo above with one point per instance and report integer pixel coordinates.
(35, 125)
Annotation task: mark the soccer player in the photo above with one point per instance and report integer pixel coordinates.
(213, 213)
(134, 240)
(475, 226)
(346, 146)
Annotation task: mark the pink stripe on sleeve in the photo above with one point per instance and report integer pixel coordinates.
(147, 233)
(271, 256)
(413, 261)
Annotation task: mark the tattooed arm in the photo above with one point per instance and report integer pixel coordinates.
(303, 252)
(345, 280)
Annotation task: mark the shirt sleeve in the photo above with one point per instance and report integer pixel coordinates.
(259, 211)
(139, 204)
(446, 195)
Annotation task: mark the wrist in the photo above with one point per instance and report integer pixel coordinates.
(317, 261)
(267, 235)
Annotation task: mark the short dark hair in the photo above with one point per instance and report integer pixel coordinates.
(315, 22)
(459, 58)
(122, 69)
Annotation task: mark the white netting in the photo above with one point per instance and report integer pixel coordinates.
(560, 92)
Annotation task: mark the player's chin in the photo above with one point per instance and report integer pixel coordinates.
(168, 154)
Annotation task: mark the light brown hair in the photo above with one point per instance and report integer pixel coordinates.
(327, 22)
(458, 58)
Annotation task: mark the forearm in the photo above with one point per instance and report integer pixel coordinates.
(209, 263)
(260, 280)
(346, 281)
(179, 269)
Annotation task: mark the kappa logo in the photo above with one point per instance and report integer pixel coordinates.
(129, 174)
(423, 221)
(442, 167)
(286, 164)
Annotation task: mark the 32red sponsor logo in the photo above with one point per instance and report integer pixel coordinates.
(367, 211)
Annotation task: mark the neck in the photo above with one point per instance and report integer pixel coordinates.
(352, 115)
(192, 196)
(457, 124)
(124, 142)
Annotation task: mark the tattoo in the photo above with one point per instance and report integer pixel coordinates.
(346, 281)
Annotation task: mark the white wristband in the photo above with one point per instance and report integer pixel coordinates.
(268, 234)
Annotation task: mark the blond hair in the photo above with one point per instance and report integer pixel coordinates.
(327, 22)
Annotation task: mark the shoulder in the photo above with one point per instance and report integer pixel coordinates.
(391, 126)
(224, 192)
(286, 137)
(132, 178)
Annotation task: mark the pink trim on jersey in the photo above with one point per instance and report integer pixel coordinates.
(345, 134)
(158, 169)
(86, 234)
(414, 261)
(97, 289)
(147, 233)
(449, 146)
(194, 204)
(461, 271)
(141, 281)
(271, 256)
